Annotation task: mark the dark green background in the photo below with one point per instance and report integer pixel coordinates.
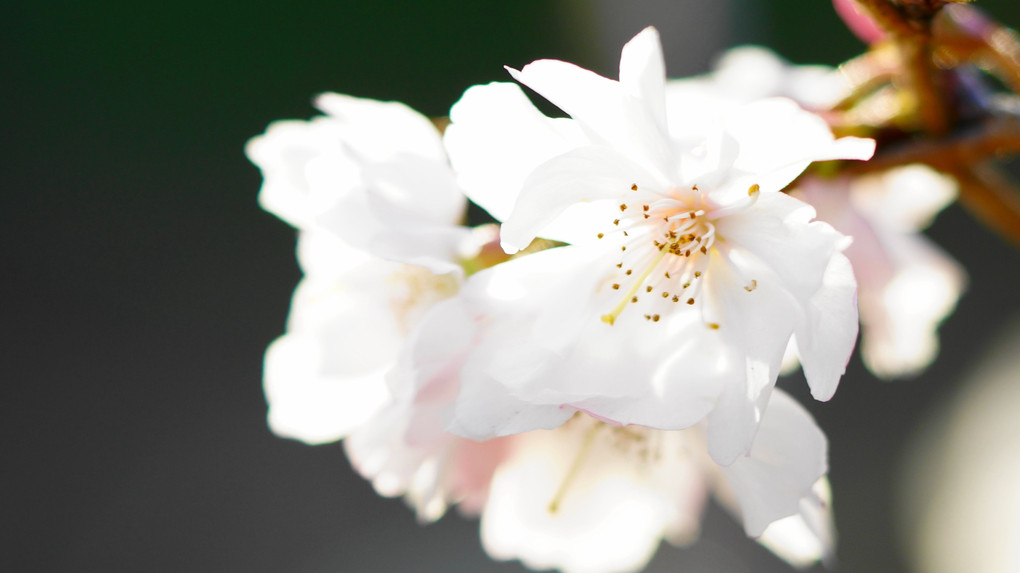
(141, 283)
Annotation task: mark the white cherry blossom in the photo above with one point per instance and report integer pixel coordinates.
(379, 243)
(587, 496)
(906, 284)
(686, 275)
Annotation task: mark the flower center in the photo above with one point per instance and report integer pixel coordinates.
(667, 241)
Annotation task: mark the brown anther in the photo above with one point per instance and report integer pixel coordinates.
(655, 318)
(753, 285)
(628, 272)
(601, 235)
(646, 215)
(633, 299)
(687, 284)
(619, 265)
(644, 207)
(623, 206)
(690, 301)
(676, 298)
(623, 248)
(625, 234)
(667, 274)
(616, 286)
(665, 294)
(648, 317)
(697, 274)
(687, 253)
(648, 289)
(704, 251)
(752, 190)
(694, 187)
(713, 326)
(616, 221)
(633, 187)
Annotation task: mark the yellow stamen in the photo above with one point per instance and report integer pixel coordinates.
(574, 468)
(615, 313)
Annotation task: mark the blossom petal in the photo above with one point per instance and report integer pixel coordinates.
(757, 323)
(808, 536)
(369, 126)
(607, 515)
(547, 353)
(643, 73)
(905, 199)
(309, 405)
(583, 175)
(628, 118)
(383, 219)
(288, 153)
(900, 316)
(806, 138)
(826, 334)
(779, 231)
(404, 449)
(496, 138)
(787, 458)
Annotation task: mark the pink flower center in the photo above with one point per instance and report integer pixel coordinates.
(666, 247)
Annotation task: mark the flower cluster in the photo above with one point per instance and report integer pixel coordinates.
(584, 373)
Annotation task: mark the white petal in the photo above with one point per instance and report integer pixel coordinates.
(496, 138)
(547, 352)
(610, 512)
(807, 537)
(643, 72)
(371, 127)
(753, 72)
(288, 153)
(757, 322)
(778, 231)
(584, 175)
(309, 405)
(827, 333)
(906, 198)
(778, 140)
(323, 256)
(353, 321)
(383, 219)
(404, 449)
(787, 458)
(906, 284)
(628, 118)
(900, 316)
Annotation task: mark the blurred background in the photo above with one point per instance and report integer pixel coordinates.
(141, 282)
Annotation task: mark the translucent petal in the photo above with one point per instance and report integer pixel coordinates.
(787, 458)
(306, 403)
(583, 175)
(496, 138)
(826, 334)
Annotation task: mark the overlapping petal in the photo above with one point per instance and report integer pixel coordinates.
(690, 203)
(907, 285)
(496, 138)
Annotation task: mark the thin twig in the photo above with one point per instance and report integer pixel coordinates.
(991, 198)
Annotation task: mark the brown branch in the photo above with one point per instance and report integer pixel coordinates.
(996, 137)
(991, 198)
(965, 34)
(888, 16)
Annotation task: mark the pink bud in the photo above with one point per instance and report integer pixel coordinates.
(859, 23)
